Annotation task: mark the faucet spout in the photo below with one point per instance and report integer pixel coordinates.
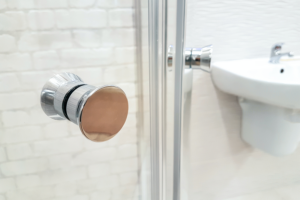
(276, 53)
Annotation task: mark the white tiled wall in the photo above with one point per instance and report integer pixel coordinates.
(45, 159)
(222, 166)
(243, 29)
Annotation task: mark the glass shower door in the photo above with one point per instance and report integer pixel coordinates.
(41, 158)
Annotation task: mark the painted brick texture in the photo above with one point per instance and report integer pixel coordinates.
(45, 159)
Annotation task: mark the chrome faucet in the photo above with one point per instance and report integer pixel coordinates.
(276, 53)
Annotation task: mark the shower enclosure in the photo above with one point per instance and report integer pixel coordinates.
(124, 43)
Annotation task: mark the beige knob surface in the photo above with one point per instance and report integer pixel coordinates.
(104, 113)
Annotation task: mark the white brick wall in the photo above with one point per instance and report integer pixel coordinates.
(37, 4)
(87, 38)
(65, 189)
(24, 167)
(19, 151)
(105, 195)
(98, 170)
(57, 146)
(81, 18)
(86, 57)
(7, 184)
(35, 41)
(63, 175)
(31, 193)
(12, 21)
(82, 3)
(121, 18)
(130, 178)
(116, 3)
(2, 6)
(21, 134)
(127, 151)
(2, 154)
(15, 62)
(28, 181)
(8, 43)
(77, 197)
(45, 159)
(9, 82)
(41, 20)
(124, 165)
(58, 129)
(96, 156)
(12, 100)
(46, 60)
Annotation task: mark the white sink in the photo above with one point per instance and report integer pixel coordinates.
(269, 95)
(259, 80)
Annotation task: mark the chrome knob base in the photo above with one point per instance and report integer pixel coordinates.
(54, 92)
(100, 112)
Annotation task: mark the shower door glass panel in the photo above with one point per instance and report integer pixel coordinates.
(44, 159)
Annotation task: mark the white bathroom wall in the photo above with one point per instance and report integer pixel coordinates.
(243, 29)
(45, 159)
(222, 166)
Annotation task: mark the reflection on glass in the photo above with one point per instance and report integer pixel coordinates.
(41, 158)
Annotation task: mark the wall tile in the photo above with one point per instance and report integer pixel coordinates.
(81, 3)
(21, 134)
(95, 156)
(87, 38)
(121, 18)
(8, 43)
(19, 151)
(65, 189)
(130, 178)
(58, 146)
(98, 170)
(15, 62)
(39, 4)
(80, 19)
(125, 165)
(12, 101)
(2, 154)
(103, 195)
(28, 181)
(7, 184)
(2, 6)
(23, 167)
(44, 192)
(86, 57)
(46, 60)
(45, 41)
(12, 21)
(41, 20)
(76, 197)
(9, 82)
(63, 175)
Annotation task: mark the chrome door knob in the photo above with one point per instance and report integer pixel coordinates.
(100, 112)
(199, 58)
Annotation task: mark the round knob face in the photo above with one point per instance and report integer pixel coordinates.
(104, 113)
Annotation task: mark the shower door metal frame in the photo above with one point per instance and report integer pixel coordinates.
(166, 88)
